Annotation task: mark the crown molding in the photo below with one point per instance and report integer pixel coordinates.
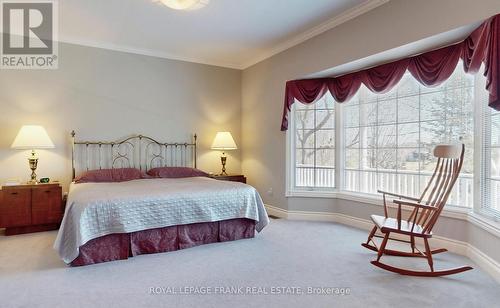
(323, 27)
(146, 52)
(302, 37)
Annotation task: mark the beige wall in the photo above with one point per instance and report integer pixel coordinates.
(394, 24)
(109, 95)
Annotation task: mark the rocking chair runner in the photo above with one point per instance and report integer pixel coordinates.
(425, 213)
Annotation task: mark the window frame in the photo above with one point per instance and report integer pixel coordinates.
(291, 157)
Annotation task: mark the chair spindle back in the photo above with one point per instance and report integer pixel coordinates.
(438, 189)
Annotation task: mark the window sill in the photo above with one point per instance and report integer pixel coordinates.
(311, 194)
(482, 221)
(450, 211)
(485, 222)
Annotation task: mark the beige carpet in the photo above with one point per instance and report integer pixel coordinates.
(286, 256)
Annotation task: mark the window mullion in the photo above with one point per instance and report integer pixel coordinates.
(315, 167)
(339, 146)
(291, 160)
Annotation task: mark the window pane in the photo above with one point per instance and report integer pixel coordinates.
(409, 184)
(366, 96)
(432, 133)
(351, 138)
(494, 202)
(304, 157)
(368, 113)
(325, 139)
(304, 176)
(327, 102)
(387, 180)
(408, 86)
(408, 135)
(351, 115)
(304, 119)
(409, 159)
(325, 158)
(495, 164)
(386, 159)
(495, 130)
(439, 88)
(387, 111)
(325, 119)
(432, 106)
(368, 136)
(368, 159)
(304, 138)
(325, 177)
(351, 180)
(386, 136)
(299, 106)
(352, 159)
(368, 182)
(408, 109)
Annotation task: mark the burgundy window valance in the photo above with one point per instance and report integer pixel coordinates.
(430, 69)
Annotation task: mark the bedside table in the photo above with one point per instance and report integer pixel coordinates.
(234, 178)
(30, 208)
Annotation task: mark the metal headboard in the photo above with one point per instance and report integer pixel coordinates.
(137, 151)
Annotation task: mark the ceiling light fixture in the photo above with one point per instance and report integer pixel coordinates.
(185, 4)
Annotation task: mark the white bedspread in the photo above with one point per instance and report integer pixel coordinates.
(97, 209)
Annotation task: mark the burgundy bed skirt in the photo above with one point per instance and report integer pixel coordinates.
(121, 246)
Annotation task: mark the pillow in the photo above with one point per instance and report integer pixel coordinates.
(175, 172)
(109, 175)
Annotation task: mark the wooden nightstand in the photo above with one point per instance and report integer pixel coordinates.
(30, 208)
(234, 178)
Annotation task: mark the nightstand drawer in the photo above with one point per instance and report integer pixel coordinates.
(15, 209)
(46, 205)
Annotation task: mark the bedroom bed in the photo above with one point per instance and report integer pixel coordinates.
(139, 196)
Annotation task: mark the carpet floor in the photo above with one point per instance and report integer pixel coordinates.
(290, 264)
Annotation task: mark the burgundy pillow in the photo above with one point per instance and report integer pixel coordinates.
(109, 175)
(175, 172)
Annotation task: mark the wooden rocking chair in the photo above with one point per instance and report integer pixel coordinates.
(423, 217)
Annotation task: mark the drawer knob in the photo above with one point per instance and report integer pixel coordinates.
(14, 193)
(47, 191)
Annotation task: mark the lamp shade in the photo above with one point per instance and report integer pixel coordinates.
(224, 141)
(32, 137)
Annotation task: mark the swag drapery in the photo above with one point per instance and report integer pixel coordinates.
(430, 69)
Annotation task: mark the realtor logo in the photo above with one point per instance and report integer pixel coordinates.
(29, 35)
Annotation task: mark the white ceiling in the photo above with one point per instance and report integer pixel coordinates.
(230, 33)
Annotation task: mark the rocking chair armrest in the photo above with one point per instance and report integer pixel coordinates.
(397, 195)
(414, 204)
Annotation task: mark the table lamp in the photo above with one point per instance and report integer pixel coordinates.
(224, 141)
(31, 137)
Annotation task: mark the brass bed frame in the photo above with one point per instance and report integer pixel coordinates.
(137, 151)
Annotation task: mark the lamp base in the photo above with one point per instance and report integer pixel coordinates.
(33, 163)
(223, 160)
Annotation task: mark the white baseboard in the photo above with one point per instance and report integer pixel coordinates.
(459, 247)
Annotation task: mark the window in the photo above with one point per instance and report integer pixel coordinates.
(385, 141)
(389, 138)
(313, 127)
